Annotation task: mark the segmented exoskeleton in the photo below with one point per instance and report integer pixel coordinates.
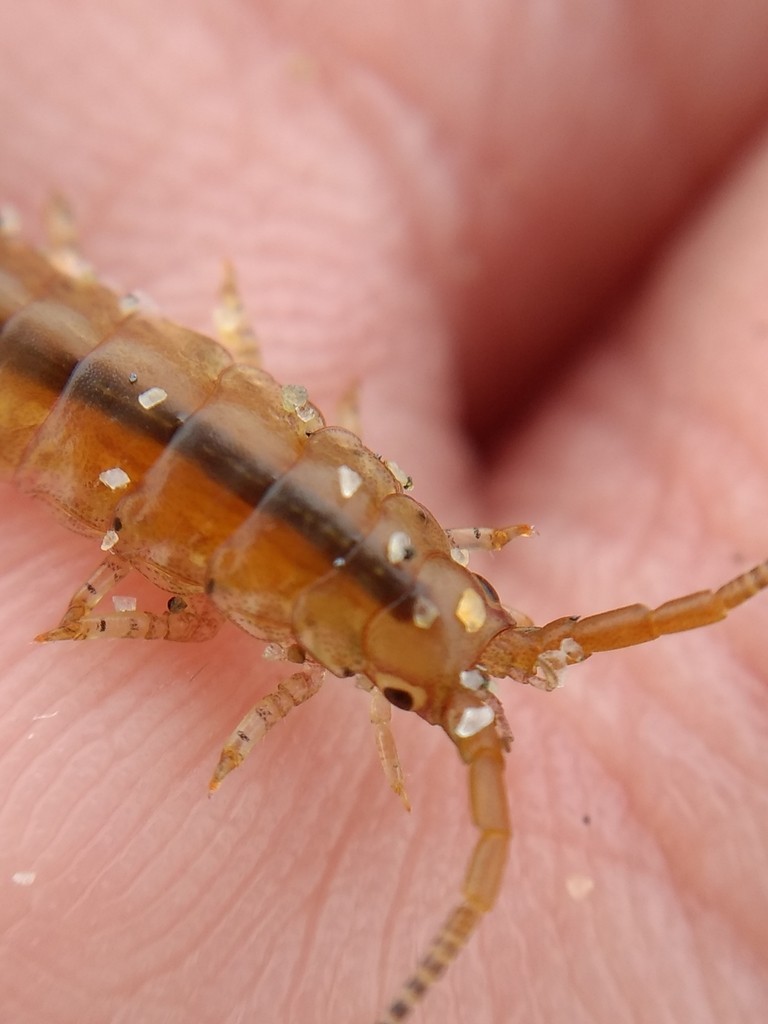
(230, 492)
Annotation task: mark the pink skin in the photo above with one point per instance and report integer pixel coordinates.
(490, 220)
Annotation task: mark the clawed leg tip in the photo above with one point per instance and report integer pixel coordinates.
(228, 761)
(52, 635)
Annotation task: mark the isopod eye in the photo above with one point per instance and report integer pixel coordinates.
(402, 694)
(487, 589)
(400, 698)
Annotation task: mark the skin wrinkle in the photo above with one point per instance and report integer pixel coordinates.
(642, 807)
(308, 943)
(665, 148)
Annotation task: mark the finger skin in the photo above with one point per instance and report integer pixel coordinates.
(438, 210)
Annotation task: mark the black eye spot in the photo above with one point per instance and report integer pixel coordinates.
(490, 593)
(400, 698)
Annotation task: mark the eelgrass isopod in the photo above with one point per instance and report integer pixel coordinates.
(229, 492)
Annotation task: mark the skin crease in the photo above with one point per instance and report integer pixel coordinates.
(552, 230)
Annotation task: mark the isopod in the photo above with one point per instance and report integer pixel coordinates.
(230, 492)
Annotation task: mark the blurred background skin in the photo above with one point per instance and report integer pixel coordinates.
(536, 235)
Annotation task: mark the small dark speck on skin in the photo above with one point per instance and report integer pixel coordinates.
(586, 820)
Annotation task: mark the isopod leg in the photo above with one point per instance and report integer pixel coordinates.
(292, 692)
(487, 538)
(63, 246)
(490, 815)
(232, 324)
(381, 715)
(107, 575)
(348, 410)
(190, 618)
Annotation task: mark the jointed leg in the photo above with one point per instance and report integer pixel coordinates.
(63, 247)
(260, 719)
(488, 538)
(347, 412)
(381, 715)
(189, 618)
(232, 324)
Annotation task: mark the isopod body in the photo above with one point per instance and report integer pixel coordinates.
(231, 493)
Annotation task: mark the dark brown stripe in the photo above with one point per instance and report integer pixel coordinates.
(38, 361)
(233, 468)
(324, 526)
